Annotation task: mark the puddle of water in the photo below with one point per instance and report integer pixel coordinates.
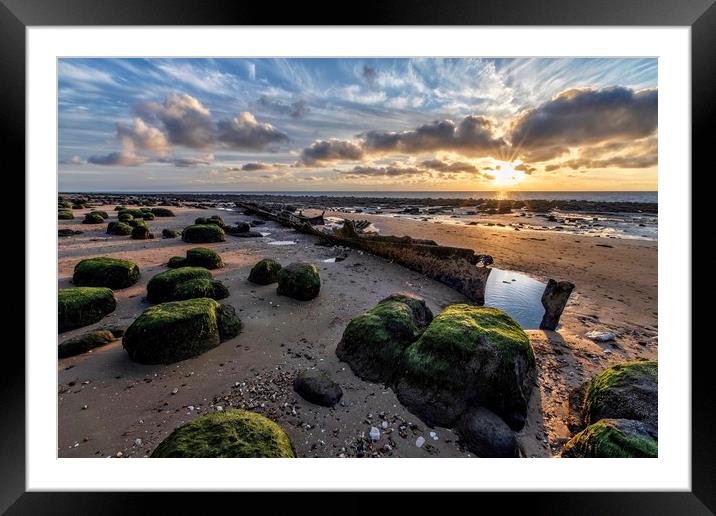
(518, 295)
(282, 242)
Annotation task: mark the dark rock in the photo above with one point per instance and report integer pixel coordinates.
(487, 435)
(554, 299)
(614, 438)
(299, 281)
(317, 387)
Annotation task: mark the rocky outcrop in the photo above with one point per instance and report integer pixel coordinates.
(554, 299)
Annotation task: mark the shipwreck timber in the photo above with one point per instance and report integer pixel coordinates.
(455, 267)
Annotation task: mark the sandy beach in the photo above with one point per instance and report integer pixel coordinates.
(110, 406)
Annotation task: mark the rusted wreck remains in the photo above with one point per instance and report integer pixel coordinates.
(456, 267)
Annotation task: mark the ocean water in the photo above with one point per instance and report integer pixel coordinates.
(517, 294)
(649, 197)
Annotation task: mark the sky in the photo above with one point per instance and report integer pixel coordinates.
(425, 124)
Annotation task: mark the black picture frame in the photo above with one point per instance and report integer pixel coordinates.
(17, 15)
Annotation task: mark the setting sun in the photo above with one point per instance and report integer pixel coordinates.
(506, 175)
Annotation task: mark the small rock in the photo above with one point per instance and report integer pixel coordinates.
(175, 390)
(374, 434)
(420, 441)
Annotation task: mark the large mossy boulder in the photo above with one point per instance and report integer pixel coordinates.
(101, 213)
(204, 257)
(614, 438)
(161, 286)
(624, 391)
(124, 216)
(373, 343)
(299, 281)
(174, 331)
(141, 232)
(105, 272)
(468, 356)
(214, 219)
(162, 212)
(229, 434)
(84, 343)
(93, 218)
(81, 306)
(203, 234)
(148, 215)
(119, 229)
(65, 215)
(170, 233)
(175, 262)
(265, 272)
(200, 287)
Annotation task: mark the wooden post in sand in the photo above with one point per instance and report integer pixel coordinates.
(554, 299)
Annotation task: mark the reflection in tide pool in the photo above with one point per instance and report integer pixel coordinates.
(517, 294)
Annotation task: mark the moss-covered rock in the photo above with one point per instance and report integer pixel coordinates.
(148, 215)
(204, 257)
(64, 204)
(105, 272)
(239, 229)
(614, 438)
(137, 222)
(200, 287)
(170, 233)
(468, 356)
(214, 219)
(84, 343)
(67, 232)
(265, 272)
(120, 208)
(175, 262)
(624, 391)
(228, 434)
(373, 343)
(65, 215)
(174, 331)
(162, 212)
(141, 233)
(101, 213)
(124, 216)
(229, 322)
(203, 234)
(119, 229)
(93, 218)
(80, 306)
(160, 287)
(136, 213)
(299, 281)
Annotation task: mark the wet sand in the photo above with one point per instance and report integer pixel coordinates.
(130, 407)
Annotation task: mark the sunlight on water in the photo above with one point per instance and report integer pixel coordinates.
(517, 294)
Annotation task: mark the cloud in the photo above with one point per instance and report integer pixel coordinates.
(392, 170)
(185, 119)
(456, 166)
(524, 167)
(645, 161)
(191, 161)
(297, 109)
(472, 136)
(245, 132)
(249, 167)
(583, 117)
(143, 136)
(74, 160)
(322, 151)
(125, 158)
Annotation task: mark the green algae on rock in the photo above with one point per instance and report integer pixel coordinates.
(93, 218)
(629, 390)
(299, 281)
(170, 233)
(162, 212)
(199, 287)
(84, 343)
(265, 272)
(614, 438)
(203, 233)
(81, 306)
(174, 331)
(204, 257)
(373, 343)
(229, 434)
(176, 262)
(107, 272)
(119, 229)
(160, 287)
(65, 215)
(468, 356)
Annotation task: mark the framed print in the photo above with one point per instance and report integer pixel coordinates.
(455, 240)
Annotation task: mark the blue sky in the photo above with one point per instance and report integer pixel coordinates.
(356, 124)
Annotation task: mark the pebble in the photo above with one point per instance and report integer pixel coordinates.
(420, 441)
(175, 390)
(137, 442)
(374, 434)
(433, 436)
(384, 424)
(219, 408)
